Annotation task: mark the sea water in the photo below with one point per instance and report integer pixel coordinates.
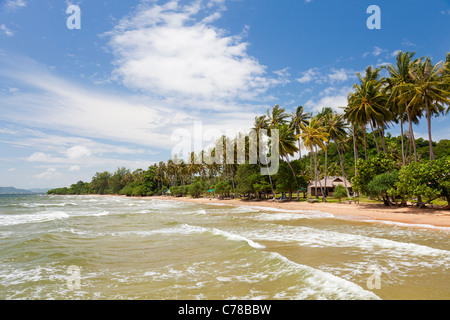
(91, 247)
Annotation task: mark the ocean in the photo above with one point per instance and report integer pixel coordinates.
(95, 248)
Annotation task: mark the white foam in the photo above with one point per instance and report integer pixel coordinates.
(235, 237)
(323, 285)
(312, 237)
(9, 220)
(409, 225)
(37, 205)
(103, 213)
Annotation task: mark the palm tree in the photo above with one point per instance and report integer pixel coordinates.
(299, 117)
(287, 145)
(367, 103)
(336, 128)
(261, 123)
(399, 77)
(324, 117)
(426, 90)
(313, 136)
(277, 117)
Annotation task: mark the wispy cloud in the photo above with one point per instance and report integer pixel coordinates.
(13, 5)
(6, 31)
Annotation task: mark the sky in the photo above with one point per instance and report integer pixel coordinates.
(115, 92)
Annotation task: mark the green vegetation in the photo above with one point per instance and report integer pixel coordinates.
(353, 144)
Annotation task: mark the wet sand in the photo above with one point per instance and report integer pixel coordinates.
(376, 213)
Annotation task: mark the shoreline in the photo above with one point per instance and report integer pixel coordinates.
(371, 213)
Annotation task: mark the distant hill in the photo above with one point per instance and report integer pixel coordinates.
(39, 190)
(11, 190)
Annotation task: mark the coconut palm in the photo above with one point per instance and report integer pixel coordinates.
(261, 123)
(277, 117)
(299, 117)
(287, 145)
(366, 105)
(324, 117)
(426, 90)
(399, 76)
(314, 135)
(336, 128)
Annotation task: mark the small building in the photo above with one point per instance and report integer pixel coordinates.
(314, 187)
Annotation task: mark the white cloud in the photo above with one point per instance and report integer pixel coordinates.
(332, 97)
(11, 169)
(51, 173)
(13, 5)
(308, 76)
(78, 152)
(74, 168)
(6, 31)
(395, 53)
(339, 75)
(408, 43)
(164, 49)
(39, 157)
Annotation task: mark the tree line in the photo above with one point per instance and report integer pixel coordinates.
(352, 143)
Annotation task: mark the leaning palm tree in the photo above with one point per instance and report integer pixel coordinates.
(299, 117)
(426, 90)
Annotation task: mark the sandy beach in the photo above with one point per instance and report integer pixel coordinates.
(375, 213)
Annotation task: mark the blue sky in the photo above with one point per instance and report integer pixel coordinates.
(74, 102)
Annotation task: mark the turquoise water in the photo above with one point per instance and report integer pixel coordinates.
(90, 247)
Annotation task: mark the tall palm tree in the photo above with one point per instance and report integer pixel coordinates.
(336, 128)
(287, 145)
(366, 105)
(324, 117)
(426, 90)
(261, 123)
(399, 76)
(313, 136)
(299, 117)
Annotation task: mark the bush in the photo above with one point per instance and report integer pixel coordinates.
(428, 179)
(340, 192)
(383, 185)
(196, 189)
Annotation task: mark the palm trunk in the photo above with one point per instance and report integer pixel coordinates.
(326, 170)
(363, 127)
(411, 133)
(430, 141)
(381, 133)
(403, 144)
(342, 168)
(355, 150)
(317, 178)
(299, 150)
(374, 137)
(289, 164)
